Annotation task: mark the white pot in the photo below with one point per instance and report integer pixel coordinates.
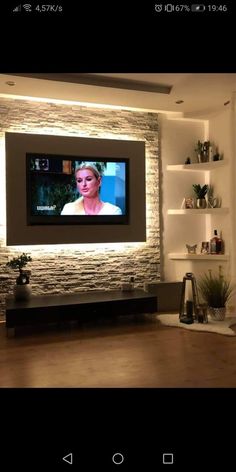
(201, 203)
(22, 292)
(217, 314)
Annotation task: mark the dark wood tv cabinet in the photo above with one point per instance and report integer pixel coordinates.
(81, 306)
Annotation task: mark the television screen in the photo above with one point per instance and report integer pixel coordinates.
(76, 190)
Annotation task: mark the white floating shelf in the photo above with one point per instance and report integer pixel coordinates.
(198, 211)
(199, 257)
(198, 167)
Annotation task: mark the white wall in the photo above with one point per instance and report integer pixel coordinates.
(178, 140)
(222, 131)
(220, 136)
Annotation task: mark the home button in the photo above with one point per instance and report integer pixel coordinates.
(117, 458)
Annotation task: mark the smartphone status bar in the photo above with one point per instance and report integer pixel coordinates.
(190, 8)
(39, 8)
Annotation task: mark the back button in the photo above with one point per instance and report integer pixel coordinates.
(68, 458)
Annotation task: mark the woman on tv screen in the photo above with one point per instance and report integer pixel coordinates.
(88, 183)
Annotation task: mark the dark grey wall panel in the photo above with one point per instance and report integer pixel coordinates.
(19, 233)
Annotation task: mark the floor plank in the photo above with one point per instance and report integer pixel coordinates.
(129, 352)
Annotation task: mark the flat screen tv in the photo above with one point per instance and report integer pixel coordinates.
(76, 190)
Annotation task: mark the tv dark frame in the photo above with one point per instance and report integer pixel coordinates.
(76, 219)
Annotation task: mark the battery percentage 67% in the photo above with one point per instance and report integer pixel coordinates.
(177, 8)
(171, 8)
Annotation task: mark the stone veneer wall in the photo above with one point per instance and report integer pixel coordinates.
(72, 268)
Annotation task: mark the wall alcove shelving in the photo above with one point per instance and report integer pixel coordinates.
(192, 226)
(205, 169)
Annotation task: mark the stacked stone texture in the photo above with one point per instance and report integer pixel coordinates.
(74, 268)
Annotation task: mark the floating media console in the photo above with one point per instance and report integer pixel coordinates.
(82, 306)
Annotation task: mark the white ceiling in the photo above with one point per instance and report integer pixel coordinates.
(203, 94)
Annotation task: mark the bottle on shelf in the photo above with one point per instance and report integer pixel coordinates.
(216, 244)
(210, 153)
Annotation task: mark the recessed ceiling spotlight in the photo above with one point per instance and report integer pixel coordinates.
(226, 103)
(179, 102)
(10, 83)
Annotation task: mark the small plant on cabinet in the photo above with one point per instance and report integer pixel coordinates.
(18, 263)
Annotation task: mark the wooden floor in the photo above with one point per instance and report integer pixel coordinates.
(130, 352)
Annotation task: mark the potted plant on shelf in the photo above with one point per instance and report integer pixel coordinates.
(203, 150)
(200, 192)
(215, 290)
(22, 288)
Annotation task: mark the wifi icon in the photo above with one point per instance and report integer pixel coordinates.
(27, 7)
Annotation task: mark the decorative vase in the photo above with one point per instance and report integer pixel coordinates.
(22, 292)
(217, 314)
(201, 203)
(203, 156)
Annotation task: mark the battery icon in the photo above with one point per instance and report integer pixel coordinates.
(197, 7)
